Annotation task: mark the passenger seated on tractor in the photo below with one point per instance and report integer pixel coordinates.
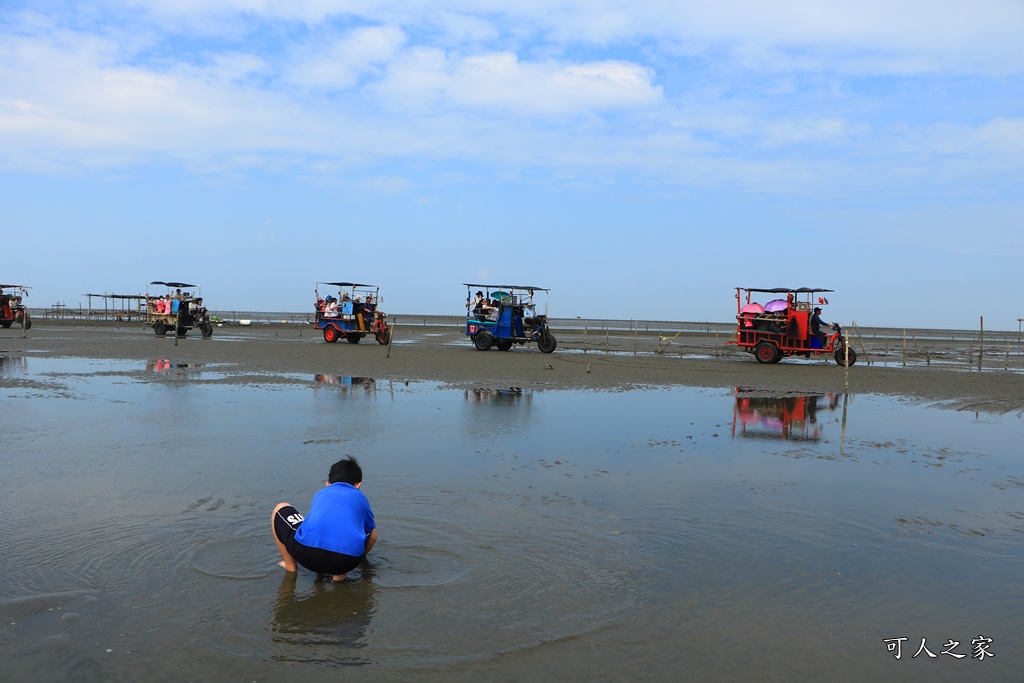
(493, 310)
(331, 307)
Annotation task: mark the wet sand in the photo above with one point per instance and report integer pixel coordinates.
(941, 370)
(684, 540)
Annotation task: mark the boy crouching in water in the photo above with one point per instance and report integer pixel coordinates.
(337, 533)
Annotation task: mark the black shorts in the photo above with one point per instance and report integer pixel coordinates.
(286, 523)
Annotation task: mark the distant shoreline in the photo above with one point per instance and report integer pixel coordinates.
(232, 317)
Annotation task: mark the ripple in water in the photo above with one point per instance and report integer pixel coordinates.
(236, 558)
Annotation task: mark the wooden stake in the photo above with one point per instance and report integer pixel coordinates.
(981, 341)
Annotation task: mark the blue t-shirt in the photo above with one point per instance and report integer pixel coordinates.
(339, 520)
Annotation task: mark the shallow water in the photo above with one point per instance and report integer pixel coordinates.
(710, 534)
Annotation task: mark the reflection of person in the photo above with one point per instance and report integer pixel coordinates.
(816, 324)
(335, 620)
(338, 532)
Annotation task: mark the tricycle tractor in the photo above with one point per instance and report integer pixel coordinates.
(788, 324)
(179, 309)
(12, 310)
(351, 314)
(502, 316)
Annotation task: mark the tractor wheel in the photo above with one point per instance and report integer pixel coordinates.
(483, 341)
(353, 337)
(547, 343)
(841, 356)
(766, 352)
(6, 323)
(160, 327)
(503, 344)
(330, 335)
(206, 329)
(28, 323)
(182, 331)
(383, 337)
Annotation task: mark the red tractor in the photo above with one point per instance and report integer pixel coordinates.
(12, 310)
(788, 324)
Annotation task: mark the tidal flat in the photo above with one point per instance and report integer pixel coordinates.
(574, 516)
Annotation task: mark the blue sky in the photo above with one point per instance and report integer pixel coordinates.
(639, 159)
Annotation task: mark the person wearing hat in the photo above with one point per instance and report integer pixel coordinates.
(816, 325)
(474, 306)
(330, 307)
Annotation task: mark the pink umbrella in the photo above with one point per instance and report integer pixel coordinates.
(776, 305)
(752, 307)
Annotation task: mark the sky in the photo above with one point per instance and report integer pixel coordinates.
(639, 159)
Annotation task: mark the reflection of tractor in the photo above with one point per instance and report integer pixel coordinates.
(757, 415)
(505, 315)
(351, 315)
(785, 326)
(12, 310)
(180, 310)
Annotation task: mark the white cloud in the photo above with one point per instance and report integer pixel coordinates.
(501, 80)
(579, 89)
(870, 36)
(339, 63)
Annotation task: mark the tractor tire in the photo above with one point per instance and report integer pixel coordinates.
(483, 341)
(841, 356)
(330, 335)
(206, 329)
(767, 353)
(547, 343)
(160, 328)
(503, 344)
(353, 337)
(28, 323)
(383, 337)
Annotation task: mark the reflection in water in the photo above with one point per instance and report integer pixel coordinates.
(13, 365)
(773, 417)
(497, 411)
(345, 383)
(327, 622)
(165, 366)
(499, 396)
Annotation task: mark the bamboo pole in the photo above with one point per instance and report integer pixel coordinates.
(661, 347)
(981, 340)
(904, 347)
(394, 324)
(860, 336)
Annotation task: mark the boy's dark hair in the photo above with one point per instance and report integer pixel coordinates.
(347, 471)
